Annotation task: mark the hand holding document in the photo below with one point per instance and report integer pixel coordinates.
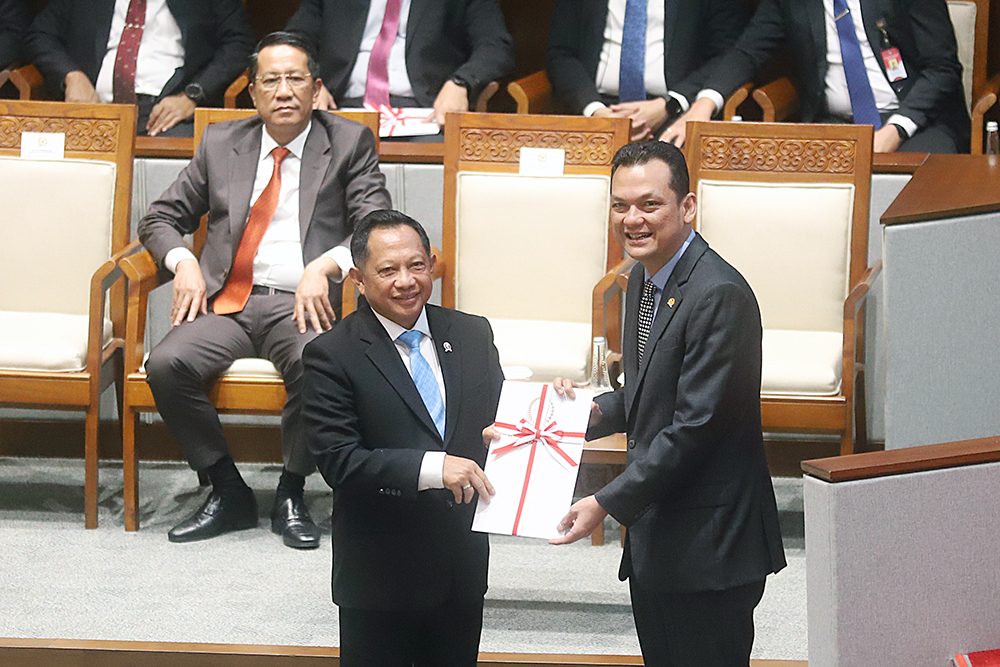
(534, 464)
(403, 121)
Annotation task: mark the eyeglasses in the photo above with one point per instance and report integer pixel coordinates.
(295, 80)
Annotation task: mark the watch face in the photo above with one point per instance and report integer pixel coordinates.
(194, 91)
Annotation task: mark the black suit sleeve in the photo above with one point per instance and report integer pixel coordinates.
(45, 44)
(12, 27)
(308, 22)
(492, 47)
(710, 387)
(365, 187)
(724, 21)
(234, 41)
(762, 37)
(332, 420)
(571, 80)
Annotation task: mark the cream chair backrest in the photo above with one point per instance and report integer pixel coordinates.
(518, 234)
(963, 19)
(790, 241)
(65, 224)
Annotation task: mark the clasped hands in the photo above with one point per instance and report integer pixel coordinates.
(165, 114)
(312, 296)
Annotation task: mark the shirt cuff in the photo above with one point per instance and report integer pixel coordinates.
(174, 257)
(716, 98)
(903, 122)
(431, 471)
(683, 101)
(342, 256)
(592, 107)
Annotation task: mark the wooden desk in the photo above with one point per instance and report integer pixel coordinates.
(610, 450)
(169, 147)
(947, 186)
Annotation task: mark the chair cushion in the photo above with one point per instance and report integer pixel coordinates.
(252, 367)
(45, 342)
(801, 362)
(549, 349)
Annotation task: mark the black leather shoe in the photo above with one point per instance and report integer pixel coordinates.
(219, 514)
(291, 520)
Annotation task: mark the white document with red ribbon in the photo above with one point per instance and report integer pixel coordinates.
(403, 121)
(533, 466)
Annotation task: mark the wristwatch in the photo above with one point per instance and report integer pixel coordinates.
(674, 108)
(195, 92)
(903, 134)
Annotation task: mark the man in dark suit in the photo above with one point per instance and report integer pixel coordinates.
(919, 105)
(182, 54)
(681, 38)
(695, 496)
(396, 398)
(282, 191)
(12, 27)
(443, 54)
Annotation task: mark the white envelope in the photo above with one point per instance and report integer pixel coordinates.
(403, 122)
(534, 464)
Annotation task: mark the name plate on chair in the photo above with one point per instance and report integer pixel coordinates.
(541, 161)
(43, 145)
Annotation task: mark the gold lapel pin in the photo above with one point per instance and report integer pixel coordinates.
(670, 302)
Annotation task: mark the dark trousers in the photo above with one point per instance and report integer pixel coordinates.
(194, 354)
(145, 104)
(709, 628)
(444, 637)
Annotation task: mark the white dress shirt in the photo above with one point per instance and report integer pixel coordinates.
(838, 98)
(278, 262)
(432, 463)
(161, 50)
(399, 80)
(611, 54)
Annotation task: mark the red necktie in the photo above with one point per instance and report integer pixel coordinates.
(377, 84)
(128, 52)
(236, 291)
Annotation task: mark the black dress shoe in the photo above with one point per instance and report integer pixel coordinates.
(219, 514)
(291, 520)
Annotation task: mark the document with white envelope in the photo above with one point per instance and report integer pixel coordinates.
(534, 464)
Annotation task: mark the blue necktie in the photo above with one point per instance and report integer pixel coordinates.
(632, 69)
(423, 377)
(863, 105)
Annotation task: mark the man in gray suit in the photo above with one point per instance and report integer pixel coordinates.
(282, 191)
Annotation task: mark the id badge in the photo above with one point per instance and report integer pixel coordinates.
(894, 68)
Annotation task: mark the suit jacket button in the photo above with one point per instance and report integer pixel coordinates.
(381, 491)
(631, 444)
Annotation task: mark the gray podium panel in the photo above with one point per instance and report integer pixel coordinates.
(942, 315)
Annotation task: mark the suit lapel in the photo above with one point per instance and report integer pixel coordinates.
(383, 354)
(418, 13)
(450, 359)
(242, 172)
(104, 13)
(816, 21)
(671, 22)
(630, 355)
(315, 160)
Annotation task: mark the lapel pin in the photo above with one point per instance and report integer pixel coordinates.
(447, 346)
(670, 302)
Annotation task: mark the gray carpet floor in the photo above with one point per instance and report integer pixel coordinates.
(58, 580)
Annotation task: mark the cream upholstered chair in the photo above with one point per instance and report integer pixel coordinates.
(787, 205)
(525, 251)
(249, 386)
(64, 223)
(971, 21)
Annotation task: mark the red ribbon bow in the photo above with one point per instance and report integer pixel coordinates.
(526, 434)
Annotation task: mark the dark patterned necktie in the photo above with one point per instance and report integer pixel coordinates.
(123, 81)
(645, 316)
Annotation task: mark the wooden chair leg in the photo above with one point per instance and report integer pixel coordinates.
(623, 536)
(597, 537)
(131, 469)
(90, 456)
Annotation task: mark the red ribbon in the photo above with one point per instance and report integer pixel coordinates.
(526, 434)
(392, 119)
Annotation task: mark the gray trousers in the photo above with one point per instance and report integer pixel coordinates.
(191, 356)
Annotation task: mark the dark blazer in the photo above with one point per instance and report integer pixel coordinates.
(72, 35)
(921, 29)
(696, 495)
(396, 548)
(339, 183)
(12, 27)
(694, 32)
(444, 38)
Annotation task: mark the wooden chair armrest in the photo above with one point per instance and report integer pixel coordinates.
(28, 81)
(235, 88)
(991, 91)
(611, 285)
(484, 97)
(139, 267)
(349, 293)
(735, 100)
(860, 291)
(143, 277)
(532, 93)
(778, 100)
(4, 77)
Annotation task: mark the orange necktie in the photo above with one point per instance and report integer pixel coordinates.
(236, 291)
